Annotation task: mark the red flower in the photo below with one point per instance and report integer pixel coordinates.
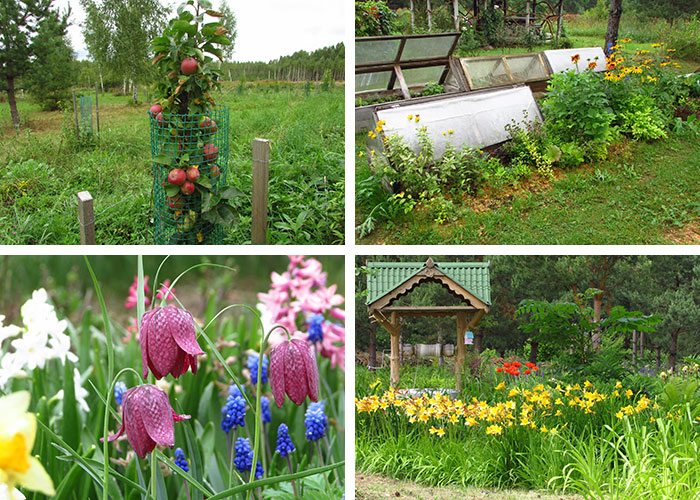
(293, 371)
(576, 58)
(499, 370)
(527, 372)
(507, 365)
(148, 419)
(516, 373)
(168, 342)
(517, 364)
(535, 368)
(529, 365)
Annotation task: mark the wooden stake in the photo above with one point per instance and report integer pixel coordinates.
(461, 350)
(86, 216)
(395, 346)
(75, 112)
(97, 107)
(261, 167)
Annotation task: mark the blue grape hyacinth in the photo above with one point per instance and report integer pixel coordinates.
(181, 461)
(253, 367)
(234, 391)
(119, 390)
(315, 322)
(244, 458)
(284, 442)
(265, 408)
(315, 421)
(233, 412)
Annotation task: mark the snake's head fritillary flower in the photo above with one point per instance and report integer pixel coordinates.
(17, 432)
(284, 442)
(293, 370)
(168, 342)
(148, 419)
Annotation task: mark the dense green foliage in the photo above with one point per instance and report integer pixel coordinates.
(374, 18)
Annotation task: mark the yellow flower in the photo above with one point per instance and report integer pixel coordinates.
(587, 384)
(470, 421)
(618, 385)
(544, 429)
(619, 414)
(670, 50)
(558, 413)
(372, 153)
(656, 45)
(17, 432)
(453, 419)
(628, 393)
(417, 118)
(494, 429)
(410, 117)
(450, 132)
(513, 392)
(500, 386)
(361, 154)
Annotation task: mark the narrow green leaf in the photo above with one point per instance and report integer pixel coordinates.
(69, 429)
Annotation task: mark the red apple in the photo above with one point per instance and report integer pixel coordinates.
(172, 74)
(177, 176)
(210, 152)
(187, 188)
(176, 202)
(155, 109)
(193, 174)
(215, 172)
(160, 120)
(188, 65)
(208, 125)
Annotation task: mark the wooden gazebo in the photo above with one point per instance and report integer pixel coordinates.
(387, 281)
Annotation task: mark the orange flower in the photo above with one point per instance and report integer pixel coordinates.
(592, 65)
(517, 364)
(499, 370)
(506, 365)
(575, 59)
(527, 372)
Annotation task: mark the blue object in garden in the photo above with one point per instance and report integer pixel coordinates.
(265, 407)
(284, 442)
(233, 413)
(234, 391)
(119, 390)
(315, 322)
(181, 461)
(244, 458)
(468, 338)
(315, 421)
(253, 367)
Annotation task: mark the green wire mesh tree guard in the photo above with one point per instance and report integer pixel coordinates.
(198, 140)
(85, 115)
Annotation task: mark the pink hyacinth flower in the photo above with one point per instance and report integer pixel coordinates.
(293, 371)
(168, 342)
(148, 419)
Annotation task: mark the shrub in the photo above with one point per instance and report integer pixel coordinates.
(374, 18)
(642, 118)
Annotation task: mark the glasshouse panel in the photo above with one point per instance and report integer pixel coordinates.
(422, 76)
(526, 68)
(476, 119)
(427, 48)
(486, 72)
(376, 51)
(372, 81)
(563, 59)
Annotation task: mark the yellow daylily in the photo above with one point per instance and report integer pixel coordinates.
(17, 432)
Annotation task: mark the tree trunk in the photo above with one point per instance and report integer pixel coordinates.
(534, 348)
(430, 16)
(478, 337)
(673, 349)
(634, 346)
(559, 21)
(12, 101)
(641, 346)
(456, 14)
(613, 25)
(372, 349)
(658, 357)
(597, 309)
(102, 85)
(124, 87)
(413, 18)
(136, 101)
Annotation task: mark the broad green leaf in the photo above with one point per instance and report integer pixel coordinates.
(163, 160)
(171, 190)
(204, 182)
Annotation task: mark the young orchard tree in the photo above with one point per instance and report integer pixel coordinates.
(19, 23)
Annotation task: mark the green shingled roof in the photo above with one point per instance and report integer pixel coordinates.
(386, 276)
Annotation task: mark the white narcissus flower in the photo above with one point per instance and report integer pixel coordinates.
(5, 493)
(31, 348)
(10, 367)
(60, 344)
(80, 392)
(8, 331)
(17, 433)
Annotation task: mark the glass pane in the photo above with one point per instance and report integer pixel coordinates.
(560, 60)
(422, 76)
(372, 81)
(486, 72)
(526, 68)
(427, 48)
(376, 51)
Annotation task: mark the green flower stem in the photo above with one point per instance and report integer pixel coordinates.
(154, 464)
(320, 458)
(291, 471)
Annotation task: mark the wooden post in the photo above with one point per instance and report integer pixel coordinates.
(461, 350)
(97, 107)
(261, 165)
(527, 15)
(413, 18)
(75, 112)
(430, 16)
(559, 18)
(395, 346)
(641, 345)
(402, 82)
(441, 358)
(456, 14)
(634, 346)
(86, 216)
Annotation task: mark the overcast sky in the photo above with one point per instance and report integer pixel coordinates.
(267, 29)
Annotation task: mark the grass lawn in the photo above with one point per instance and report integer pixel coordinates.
(643, 193)
(43, 166)
(373, 486)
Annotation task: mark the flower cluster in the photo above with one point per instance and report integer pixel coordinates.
(316, 421)
(244, 458)
(297, 294)
(253, 364)
(543, 409)
(284, 442)
(514, 368)
(181, 461)
(233, 412)
(40, 340)
(620, 67)
(689, 370)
